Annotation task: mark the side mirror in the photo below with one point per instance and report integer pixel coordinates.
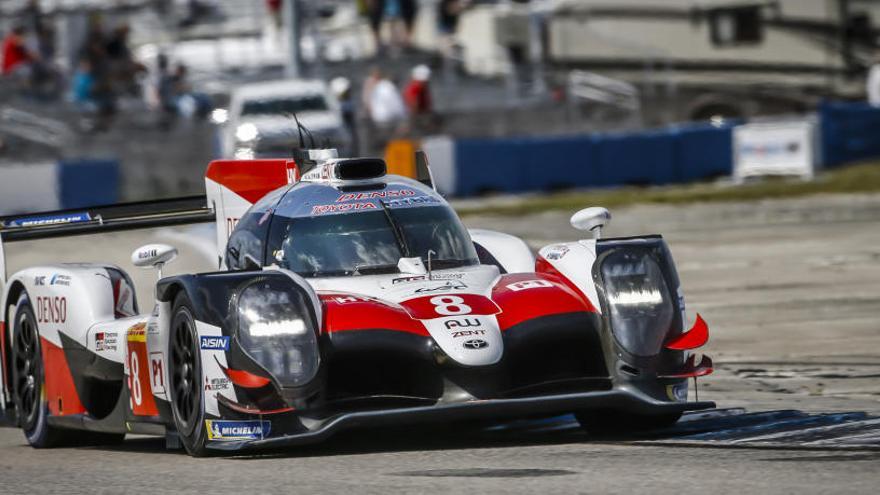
(153, 256)
(592, 219)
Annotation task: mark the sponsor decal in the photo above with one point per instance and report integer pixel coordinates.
(431, 307)
(59, 279)
(321, 209)
(449, 285)
(148, 253)
(218, 343)
(215, 384)
(41, 280)
(51, 309)
(349, 299)
(468, 333)
(105, 341)
(529, 284)
(137, 333)
(49, 220)
(237, 430)
(375, 195)
(420, 278)
(416, 201)
(475, 344)
(556, 252)
(462, 322)
(157, 372)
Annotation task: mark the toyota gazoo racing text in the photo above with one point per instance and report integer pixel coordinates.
(345, 298)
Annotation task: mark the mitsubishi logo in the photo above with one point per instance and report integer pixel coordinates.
(476, 344)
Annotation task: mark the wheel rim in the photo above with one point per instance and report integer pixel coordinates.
(27, 380)
(185, 387)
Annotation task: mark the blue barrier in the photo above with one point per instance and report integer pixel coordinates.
(703, 151)
(850, 132)
(88, 183)
(511, 165)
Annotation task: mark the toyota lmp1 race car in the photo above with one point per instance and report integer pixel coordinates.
(345, 297)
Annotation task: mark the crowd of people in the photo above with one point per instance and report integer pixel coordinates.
(105, 71)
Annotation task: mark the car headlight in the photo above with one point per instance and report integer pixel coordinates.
(276, 330)
(639, 301)
(246, 132)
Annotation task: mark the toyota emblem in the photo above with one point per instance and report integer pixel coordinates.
(476, 344)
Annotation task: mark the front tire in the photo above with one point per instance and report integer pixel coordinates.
(186, 378)
(603, 422)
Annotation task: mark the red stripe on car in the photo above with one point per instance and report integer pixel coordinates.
(60, 389)
(343, 312)
(524, 296)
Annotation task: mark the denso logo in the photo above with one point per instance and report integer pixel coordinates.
(214, 343)
(375, 195)
(51, 309)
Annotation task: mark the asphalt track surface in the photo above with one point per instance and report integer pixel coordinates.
(791, 290)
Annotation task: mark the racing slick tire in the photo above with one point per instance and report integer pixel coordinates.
(610, 421)
(29, 382)
(186, 376)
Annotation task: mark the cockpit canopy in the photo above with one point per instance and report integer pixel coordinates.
(319, 230)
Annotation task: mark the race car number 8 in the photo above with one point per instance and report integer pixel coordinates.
(450, 305)
(135, 379)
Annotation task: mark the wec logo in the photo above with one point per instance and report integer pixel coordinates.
(214, 343)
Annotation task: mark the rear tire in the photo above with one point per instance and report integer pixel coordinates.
(186, 378)
(29, 388)
(602, 422)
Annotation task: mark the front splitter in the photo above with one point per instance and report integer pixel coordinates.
(619, 399)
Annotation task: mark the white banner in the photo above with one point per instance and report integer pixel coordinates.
(775, 148)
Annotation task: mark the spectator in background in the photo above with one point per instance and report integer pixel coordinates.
(387, 109)
(874, 82)
(341, 87)
(163, 92)
(370, 82)
(409, 9)
(189, 103)
(122, 66)
(417, 93)
(83, 86)
(448, 13)
(17, 59)
(375, 12)
(274, 8)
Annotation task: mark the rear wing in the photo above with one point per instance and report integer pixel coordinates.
(93, 220)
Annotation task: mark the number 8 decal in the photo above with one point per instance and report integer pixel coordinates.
(135, 379)
(450, 305)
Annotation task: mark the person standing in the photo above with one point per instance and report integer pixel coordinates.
(417, 93)
(16, 57)
(386, 106)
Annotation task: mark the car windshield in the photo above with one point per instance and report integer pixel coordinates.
(284, 106)
(370, 242)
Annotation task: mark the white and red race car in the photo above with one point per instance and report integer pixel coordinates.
(345, 298)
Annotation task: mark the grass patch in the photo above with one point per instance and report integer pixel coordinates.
(853, 179)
